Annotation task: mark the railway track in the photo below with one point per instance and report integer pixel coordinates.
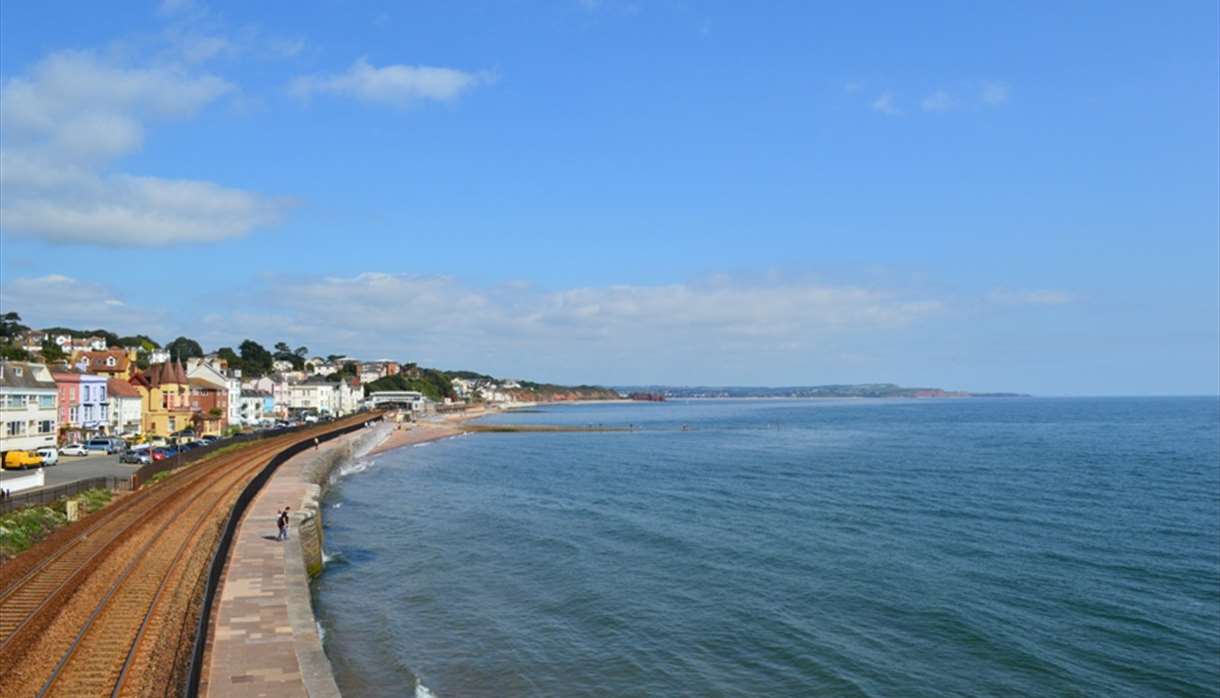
(106, 611)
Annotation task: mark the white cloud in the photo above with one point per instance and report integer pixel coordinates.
(938, 101)
(73, 114)
(440, 315)
(56, 299)
(994, 94)
(884, 103)
(1036, 297)
(396, 84)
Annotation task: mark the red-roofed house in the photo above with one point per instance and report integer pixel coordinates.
(112, 363)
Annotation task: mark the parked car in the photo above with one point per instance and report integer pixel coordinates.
(20, 460)
(74, 450)
(50, 456)
(209, 440)
(106, 445)
(137, 456)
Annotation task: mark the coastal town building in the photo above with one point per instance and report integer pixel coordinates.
(126, 407)
(29, 410)
(314, 395)
(84, 406)
(253, 406)
(399, 398)
(166, 392)
(209, 403)
(111, 363)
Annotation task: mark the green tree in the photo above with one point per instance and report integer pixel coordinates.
(255, 359)
(184, 348)
(230, 357)
(13, 352)
(51, 353)
(10, 325)
(139, 341)
(283, 352)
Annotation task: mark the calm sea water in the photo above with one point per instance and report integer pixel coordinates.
(781, 548)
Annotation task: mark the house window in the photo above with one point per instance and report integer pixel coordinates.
(46, 426)
(18, 371)
(15, 402)
(173, 425)
(46, 401)
(14, 429)
(110, 361)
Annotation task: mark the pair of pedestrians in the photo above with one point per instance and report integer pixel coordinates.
(281, 522)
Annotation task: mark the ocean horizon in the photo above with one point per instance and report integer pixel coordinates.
(1006, 546)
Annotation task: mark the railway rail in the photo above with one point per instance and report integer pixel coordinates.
(107, 611)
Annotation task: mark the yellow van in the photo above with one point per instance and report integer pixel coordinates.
(20, 460)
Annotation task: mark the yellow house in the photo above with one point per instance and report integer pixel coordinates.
(112, 363)
(166, 399)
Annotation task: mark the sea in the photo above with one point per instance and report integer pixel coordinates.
(955, 547)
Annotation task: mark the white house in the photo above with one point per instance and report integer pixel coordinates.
(350, 394)
(29, 406)
(314, 395)
(125, 405)
(251, 408)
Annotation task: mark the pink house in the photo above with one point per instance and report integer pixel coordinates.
(83, 403)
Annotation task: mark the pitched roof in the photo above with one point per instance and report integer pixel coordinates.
(98, 360)
(118, 387)
(33, 375)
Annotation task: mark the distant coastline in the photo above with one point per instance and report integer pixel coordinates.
(838, 391)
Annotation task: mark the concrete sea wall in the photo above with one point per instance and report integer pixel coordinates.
(317, 474)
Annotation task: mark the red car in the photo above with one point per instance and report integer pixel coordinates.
(158, 454)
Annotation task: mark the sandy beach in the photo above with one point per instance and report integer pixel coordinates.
(410, 434)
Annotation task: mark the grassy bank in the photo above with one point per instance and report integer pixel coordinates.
(22, 528)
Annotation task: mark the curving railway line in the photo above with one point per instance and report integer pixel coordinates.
(108, 608)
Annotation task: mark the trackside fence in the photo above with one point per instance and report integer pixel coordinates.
(46, 495)
(221, 555)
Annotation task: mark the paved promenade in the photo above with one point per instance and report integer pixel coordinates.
(265, 642)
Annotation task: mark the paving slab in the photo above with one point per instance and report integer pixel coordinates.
(264, 640)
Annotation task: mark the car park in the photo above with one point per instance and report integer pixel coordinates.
(49, 455)
(74, 450)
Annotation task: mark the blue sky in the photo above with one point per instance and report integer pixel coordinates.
(970, 196)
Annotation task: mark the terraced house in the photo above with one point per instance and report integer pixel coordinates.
(29, 411)
(84, 407)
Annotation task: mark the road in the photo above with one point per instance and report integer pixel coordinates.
(72, 468)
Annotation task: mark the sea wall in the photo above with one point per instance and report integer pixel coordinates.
(316, 473)
(265, 639)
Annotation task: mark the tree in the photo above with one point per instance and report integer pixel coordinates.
(51, 353)
(301, 352)
(139, 341)
(283, 352)
(255, 359)
(184, 348)
(230, 357)
(10, 325)
(13, 352)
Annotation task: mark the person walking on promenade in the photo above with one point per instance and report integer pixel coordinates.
(283, 524)
(315, 443)
(279, 525)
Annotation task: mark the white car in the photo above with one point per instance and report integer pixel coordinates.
(50, 456)
(74, 450)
